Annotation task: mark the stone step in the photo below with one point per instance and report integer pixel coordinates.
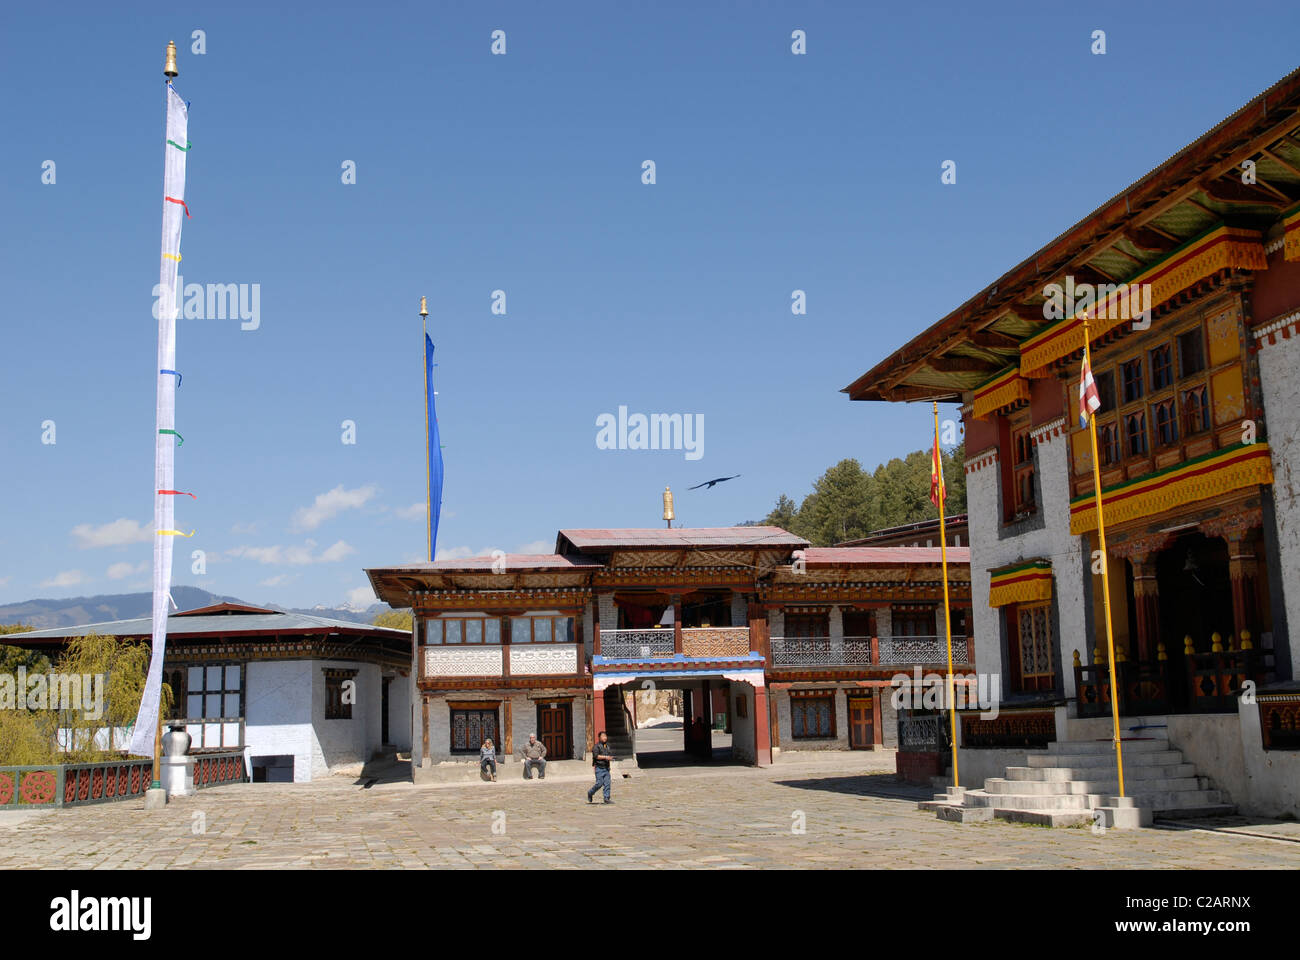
(1139, 758)
(1098, 771)
(1071, 747)
(1003, 801)
(1057, 787)
(1047, 818)
(1195, 812)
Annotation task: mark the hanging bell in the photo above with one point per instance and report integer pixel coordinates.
(169, 68)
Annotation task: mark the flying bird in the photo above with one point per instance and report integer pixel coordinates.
(710, 483)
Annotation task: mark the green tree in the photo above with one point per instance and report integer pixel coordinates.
(783, 515)
(396, 619)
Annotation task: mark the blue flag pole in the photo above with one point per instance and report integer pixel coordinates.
(433, 449)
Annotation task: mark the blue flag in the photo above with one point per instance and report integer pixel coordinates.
(435, 450)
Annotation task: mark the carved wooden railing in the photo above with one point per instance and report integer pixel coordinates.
(74, 784)
(925, 651)
(1144, 688)
(218, 769)
(715, 642)
(821, 651)
(636, 644)
(1216, 680)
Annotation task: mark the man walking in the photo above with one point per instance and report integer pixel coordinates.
(601, 755)
(534, 756)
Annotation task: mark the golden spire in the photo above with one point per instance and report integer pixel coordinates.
(169, 68)
(668, 507)
(424, 307)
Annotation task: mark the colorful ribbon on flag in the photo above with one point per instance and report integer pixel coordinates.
(174, 374)
(179, 439)
(179, 493)
(178, 146)
(182, 203)
(174, 533)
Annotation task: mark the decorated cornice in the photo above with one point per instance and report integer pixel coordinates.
(1049, 430)
(305, 648)
(985, 458)
(881, 592)
(1233, 524)
(430, 601)
(1284, 327)
(1233, 468)
(1220, 248)
(1138, 548)
(719, 576)
(1007, 389)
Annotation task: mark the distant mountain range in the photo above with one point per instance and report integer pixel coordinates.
(76, 611)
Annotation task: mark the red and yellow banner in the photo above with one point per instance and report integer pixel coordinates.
(1007, 388)
(1234, 468)
(1023, 583)
(1291, 235)
(1218, 249)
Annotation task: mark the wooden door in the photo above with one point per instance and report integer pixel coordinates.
(862, 732)
(554, 722)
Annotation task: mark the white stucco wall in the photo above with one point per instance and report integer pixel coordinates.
(1053, 540)
(277, 713)
(1279, 374)
(399, 711)
(743, 739)
(344, 743)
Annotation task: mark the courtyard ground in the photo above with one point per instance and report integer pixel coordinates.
(804, 812)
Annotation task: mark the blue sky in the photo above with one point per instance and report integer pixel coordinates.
(522, 173)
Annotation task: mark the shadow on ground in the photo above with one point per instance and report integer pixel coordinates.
(884, 785)
(386, 770)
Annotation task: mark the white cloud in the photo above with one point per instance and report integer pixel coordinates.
(294, 555)
(537, 546)
(120, 571)
(362, 597)
(68, 578)
(275, 581)
(119, 533)
(460, 553)
(329, 505)
(4, 581)
(416, 511)
(244, 528)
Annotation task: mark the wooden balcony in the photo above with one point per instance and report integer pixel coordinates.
(479, 661)
(816, 652)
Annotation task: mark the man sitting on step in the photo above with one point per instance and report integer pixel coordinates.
(534, 756)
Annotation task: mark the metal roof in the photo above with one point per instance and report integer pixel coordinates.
(682, 538)
(180, 626)
(514, 562)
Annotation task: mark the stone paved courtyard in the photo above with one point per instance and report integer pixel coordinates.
(736, 817)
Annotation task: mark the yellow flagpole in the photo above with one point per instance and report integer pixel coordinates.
(428, 494)
(947, 615)
(1105, 574)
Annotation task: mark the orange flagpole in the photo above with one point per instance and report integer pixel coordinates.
(1105, 574)
(947, 615)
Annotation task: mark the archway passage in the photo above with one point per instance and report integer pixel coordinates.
(687, 721)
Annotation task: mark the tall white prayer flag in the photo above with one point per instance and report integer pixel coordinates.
(174, 212)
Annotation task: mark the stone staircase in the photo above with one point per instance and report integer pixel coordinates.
(1068, 782)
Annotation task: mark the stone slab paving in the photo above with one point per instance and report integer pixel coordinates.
(733, 818)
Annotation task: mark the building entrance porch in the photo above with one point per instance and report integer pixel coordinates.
(1193, 625)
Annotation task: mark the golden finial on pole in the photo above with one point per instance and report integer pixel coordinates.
(668, 507)
(170, 70)
(424, 306)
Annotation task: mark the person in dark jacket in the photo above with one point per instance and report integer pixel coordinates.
(601, 755)
(534, 756)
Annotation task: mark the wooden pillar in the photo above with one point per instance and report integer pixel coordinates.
(424, 725)
(706, 698)
(595, 635)
(762, 745)
(1146, 598)
(677, 626)
(507, 735)
(775, 719)
(591, 721)
(877, 723)
(1243, 569)
(597, 714)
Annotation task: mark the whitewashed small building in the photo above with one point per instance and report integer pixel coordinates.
(302, 696)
